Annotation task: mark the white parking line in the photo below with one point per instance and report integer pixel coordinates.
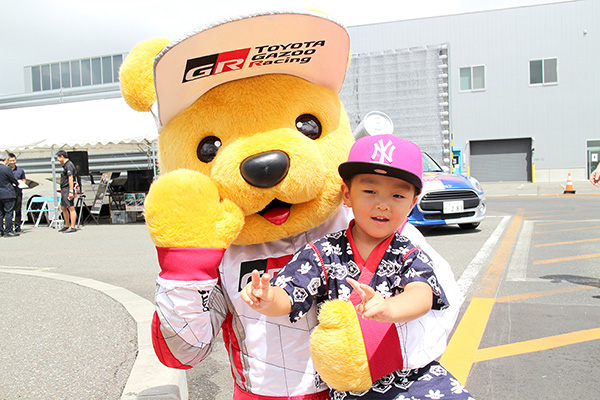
(519, 260)
(470, 273)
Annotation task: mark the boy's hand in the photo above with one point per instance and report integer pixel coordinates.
(373, 305)
(258, 294)
(595, 177)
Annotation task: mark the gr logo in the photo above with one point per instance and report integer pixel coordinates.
(214, 64)
(270, 265)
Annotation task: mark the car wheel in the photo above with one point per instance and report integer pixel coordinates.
(469, 226)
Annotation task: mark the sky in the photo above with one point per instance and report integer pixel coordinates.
(44, 31)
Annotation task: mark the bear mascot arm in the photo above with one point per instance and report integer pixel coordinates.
(190, 225)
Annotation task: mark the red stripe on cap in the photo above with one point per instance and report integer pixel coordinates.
(182, 264)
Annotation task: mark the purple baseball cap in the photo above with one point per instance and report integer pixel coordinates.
(385, 155)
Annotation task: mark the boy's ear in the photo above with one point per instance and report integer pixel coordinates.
(414, 201)
(346, 194)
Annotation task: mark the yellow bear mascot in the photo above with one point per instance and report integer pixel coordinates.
(251, 134)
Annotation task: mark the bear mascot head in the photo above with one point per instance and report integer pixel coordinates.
(262, 121)
(251, 135)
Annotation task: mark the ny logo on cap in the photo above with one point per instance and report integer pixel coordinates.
(384, 151)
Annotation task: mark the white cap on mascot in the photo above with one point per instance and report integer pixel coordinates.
(306, 44)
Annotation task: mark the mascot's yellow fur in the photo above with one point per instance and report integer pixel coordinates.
(199, 204)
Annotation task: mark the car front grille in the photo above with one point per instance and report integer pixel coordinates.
(449, 216)
(434, 201)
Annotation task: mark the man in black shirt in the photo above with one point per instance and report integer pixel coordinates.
(7, 199)
(67, 192)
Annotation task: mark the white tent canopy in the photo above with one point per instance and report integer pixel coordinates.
(83, 124)
(93, 123)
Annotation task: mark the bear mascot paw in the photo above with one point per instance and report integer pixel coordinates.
(338, 349)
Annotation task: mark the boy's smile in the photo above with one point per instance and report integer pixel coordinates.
(380, 205)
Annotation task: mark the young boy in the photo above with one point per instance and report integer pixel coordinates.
(382, 179)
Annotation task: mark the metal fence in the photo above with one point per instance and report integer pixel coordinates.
(98, 163)
(411, 87)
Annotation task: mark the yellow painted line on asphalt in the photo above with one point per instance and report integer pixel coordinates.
(570, 258)
(533, 295)
(568, 230)
(491, 278)
(545, 216)
(561, 215)
(571, 242)
(531, 346)
(459, 356)
(562, 222)
(541, 212)
(539, 195)
(460, 353)
(463, 349)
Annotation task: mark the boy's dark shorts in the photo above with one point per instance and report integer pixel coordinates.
(64, 198)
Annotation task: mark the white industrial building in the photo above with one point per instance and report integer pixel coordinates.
(518, 99)
(524, 90)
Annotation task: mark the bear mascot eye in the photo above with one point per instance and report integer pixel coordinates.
(208, 148)
(309, 126)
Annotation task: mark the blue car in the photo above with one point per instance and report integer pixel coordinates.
(448, 199)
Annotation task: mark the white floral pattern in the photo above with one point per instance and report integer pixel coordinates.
(434, 395)
(432, 382)
(401, 264)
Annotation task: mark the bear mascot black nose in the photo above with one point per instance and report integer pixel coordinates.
(265, 170)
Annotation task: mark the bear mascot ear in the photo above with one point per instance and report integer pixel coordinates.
(137, 75)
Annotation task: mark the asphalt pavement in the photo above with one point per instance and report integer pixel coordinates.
(65, 337)
(70, 330)
(538, 188)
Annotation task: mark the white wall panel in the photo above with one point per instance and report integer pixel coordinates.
(560, 117)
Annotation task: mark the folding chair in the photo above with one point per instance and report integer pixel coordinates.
(80, 205)
(47, 209)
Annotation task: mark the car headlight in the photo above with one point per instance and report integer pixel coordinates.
(475, 183)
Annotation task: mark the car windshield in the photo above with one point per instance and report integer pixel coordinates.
(429, 164)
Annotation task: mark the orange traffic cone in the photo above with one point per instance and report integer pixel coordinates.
(569, 189)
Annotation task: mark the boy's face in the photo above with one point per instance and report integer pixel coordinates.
(380, 204)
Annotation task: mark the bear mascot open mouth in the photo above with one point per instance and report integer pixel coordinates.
(276, 212)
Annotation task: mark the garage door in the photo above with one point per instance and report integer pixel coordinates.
(501, 160)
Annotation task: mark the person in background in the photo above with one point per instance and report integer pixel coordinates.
(67, 192)
(595, 176)
(19, 175)
(7, 199)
